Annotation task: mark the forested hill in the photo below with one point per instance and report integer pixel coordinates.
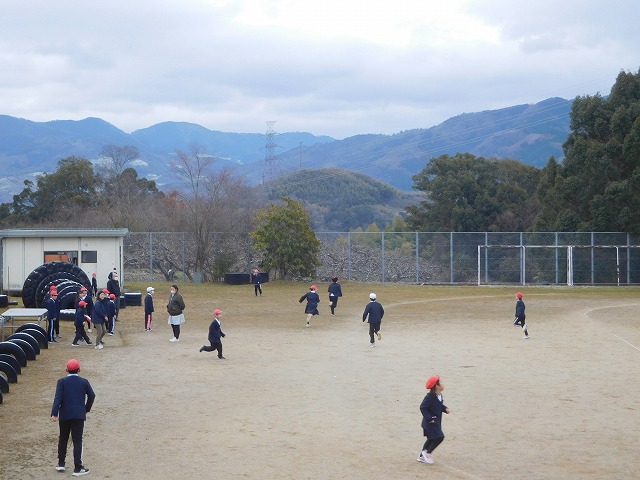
(339, 200)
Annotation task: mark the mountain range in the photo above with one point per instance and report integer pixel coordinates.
(530, 133)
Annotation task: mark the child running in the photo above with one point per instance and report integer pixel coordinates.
(215, 334)
(431, 408)
(313, 299)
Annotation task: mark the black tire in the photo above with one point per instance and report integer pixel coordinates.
(4, 385)
(15, 350)
(30, 284)
(27, 338)
(43, 341)
(1, 398)
(9, 371)
(36, 287)
(68, 314)
(31, 326)
(25, 346)
(10, 359)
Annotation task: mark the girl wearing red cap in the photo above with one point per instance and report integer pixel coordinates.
(313, 299)
(432, 408)
(520, 316)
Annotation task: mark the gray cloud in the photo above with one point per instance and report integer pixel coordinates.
(138, 63)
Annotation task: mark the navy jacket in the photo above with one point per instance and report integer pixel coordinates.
(215, 331)
(335, 290)
(432, 409)
(520, 309)
(111, 308)
(148, 304)
(69, 402)
(313, 299)
(100, 311)
(114, 287)
(52, 309)
(89, 301)
(80, 313)
(256, 278)
(375, 312)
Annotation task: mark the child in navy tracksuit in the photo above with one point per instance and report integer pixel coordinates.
(52, 314)
(81, 316)
(215, 334)
(111, 308)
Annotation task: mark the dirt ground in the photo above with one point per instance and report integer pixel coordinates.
(291, 402)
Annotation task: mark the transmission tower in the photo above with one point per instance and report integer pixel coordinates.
(270, 167)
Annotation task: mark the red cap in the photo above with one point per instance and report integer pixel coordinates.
(313, 287)
(431, 382)
(82, 303)
(72, 365)
(217, 311)
(112, 296)
(83, 289)
(519, 294)
(104, 290)
(53, 287)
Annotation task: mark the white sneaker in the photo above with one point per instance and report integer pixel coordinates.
(526, 337)
(308, 324)
(372, 344)
(174, 339)
(428, 458)
(99, 346)
(88, 330)
(80, 473)
(60, 468)
(422, 458)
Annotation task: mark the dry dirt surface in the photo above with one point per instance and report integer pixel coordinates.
(291, 402)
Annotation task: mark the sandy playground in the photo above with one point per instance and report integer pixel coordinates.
(319, 403)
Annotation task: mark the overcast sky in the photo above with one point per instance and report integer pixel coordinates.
(331, 67)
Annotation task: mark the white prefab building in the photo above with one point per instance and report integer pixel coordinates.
(95, 250)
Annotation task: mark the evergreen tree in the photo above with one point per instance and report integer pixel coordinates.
(285, 239)
(597, 188)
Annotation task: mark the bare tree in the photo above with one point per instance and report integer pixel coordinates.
(118, 158)
(192, 169)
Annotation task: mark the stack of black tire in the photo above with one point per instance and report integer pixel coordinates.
(67, 277)
(18, 349)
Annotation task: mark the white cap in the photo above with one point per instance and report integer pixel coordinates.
(150, 289)
(372, 296)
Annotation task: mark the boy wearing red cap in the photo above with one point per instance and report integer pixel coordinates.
(520, 316)
(81, 316)
(215, 335)
(313, 299)
(432, 408)
(52, 314)
(73, 400)
(111, 308)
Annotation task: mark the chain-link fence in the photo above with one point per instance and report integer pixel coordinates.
(405, 257)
